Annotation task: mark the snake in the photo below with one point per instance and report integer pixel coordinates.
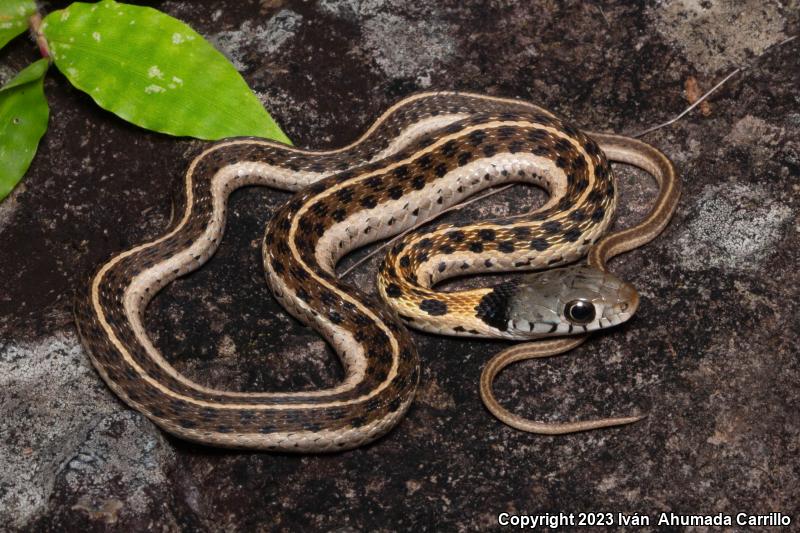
(422, 156)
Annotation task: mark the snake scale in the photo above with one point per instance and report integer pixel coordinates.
(426, 153)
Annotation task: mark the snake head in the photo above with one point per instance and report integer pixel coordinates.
(569, 300)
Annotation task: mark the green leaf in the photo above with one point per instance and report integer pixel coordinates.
(154, 71)
(33, 72)
(14, 18)
(23, 121)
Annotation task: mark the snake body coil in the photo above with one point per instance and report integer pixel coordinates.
(424, 154)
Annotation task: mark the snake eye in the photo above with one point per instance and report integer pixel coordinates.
(579, 311)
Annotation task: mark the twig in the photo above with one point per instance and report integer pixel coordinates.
(714, 88)
(418, 224)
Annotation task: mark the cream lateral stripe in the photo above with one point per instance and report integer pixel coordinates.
(219, 183)
(190, 173)
(169, 392)
(331, 437)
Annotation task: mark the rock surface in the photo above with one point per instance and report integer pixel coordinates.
(712, 356)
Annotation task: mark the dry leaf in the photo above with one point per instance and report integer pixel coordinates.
(693, 93)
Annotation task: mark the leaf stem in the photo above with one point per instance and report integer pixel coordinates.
(35, 23)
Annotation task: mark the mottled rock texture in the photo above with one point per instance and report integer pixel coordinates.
(712, 356)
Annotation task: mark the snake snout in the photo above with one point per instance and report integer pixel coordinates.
(624, 305)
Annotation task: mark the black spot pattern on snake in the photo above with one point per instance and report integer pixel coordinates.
(573, 234)
(577, 215)
(487, 234)
(563, 145)
(450, 148)
(374, 183)
(539, 244)
(433, 307)
(319, 209)
(571, 131)
(505, 132)
(359, 421)
(327, 297)
(552, 226)
(316, 187)
(537, 135)
(521, 232)
(506, 247)
(344, 195)
(395, 404)
(424, 244)
(455, 236)
(477, 137)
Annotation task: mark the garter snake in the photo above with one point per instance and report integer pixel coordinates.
(424, 154)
